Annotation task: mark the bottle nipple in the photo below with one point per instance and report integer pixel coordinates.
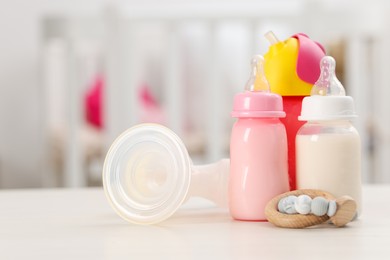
(328, 84)
(257, 80)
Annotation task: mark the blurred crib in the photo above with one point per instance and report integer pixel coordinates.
(193, 59)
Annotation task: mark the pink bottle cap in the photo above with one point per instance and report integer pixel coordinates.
(309, 56)
(257, 104)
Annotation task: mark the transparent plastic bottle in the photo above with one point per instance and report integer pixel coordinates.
(328, 148)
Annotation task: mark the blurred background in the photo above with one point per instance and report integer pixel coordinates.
(75, 74)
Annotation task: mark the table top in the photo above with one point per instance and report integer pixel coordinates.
(79, 224)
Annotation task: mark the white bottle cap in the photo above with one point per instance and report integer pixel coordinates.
(323, 108)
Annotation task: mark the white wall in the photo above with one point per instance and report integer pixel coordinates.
(21, 129)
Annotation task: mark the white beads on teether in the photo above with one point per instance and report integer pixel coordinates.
(319, 206)
(332, 208)
(286, 205)
(304, 205)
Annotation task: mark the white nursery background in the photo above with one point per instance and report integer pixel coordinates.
(178, 63)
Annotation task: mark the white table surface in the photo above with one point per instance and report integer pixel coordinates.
(79, 224)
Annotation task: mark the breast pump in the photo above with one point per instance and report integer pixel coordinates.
(148, 175)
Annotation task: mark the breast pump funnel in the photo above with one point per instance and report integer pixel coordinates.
(148, 175)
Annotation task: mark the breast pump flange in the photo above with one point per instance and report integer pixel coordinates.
(148, 175)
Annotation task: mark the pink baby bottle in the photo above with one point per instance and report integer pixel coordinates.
(258, 149)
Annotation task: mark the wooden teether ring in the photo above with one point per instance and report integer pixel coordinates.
(346, 209)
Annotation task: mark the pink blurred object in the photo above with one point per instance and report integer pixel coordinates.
(309, 56)
(150, 112)
(94, 102)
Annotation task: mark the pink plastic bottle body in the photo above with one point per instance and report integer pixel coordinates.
(258, 167)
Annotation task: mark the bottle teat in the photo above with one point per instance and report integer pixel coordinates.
(257, 80)
(328, 84)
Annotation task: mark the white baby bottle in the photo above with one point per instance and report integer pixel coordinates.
(328, 149)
